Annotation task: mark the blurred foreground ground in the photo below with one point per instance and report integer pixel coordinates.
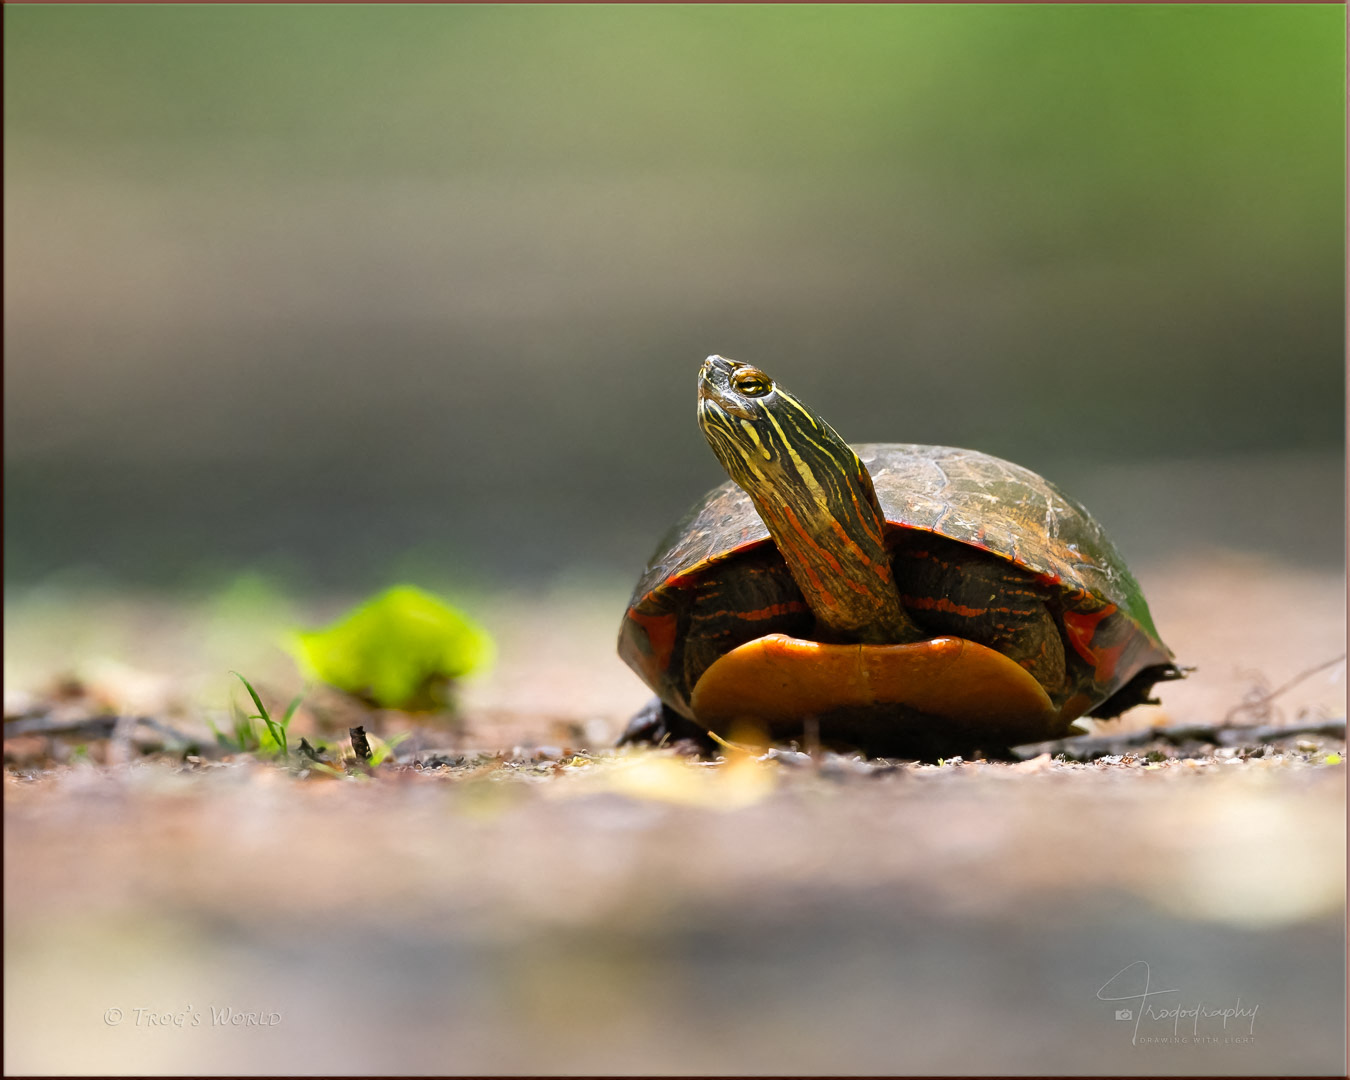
(544, 911)
(647, 915)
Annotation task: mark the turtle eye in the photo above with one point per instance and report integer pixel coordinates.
(751, 383)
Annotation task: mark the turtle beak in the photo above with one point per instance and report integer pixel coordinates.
(715, 376)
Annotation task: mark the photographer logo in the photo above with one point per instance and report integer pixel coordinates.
(1193, 1024)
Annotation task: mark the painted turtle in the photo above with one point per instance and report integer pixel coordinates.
(898, 599)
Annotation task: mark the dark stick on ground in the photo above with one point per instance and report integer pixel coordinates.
(359, 743)
(92, 727)
(1087, 747)
(119, 742)
(1265, 699)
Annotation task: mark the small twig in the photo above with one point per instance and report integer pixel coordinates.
(1238, 735)
(1087, 747)
(27, 711)
(92, 727)
(727, 744)
(1266, 699)
(168, 732)
(119, 742)
(811, 736)
(360, 744)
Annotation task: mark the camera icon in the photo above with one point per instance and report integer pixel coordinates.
(1124, 1014)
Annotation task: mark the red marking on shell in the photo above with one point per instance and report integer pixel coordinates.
(692, 576)
(773, 610)
(1107, 659)
(660, 631)
(1080, 628)
(941, 603)
(683, 581)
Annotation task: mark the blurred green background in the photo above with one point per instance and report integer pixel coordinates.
(345, 292)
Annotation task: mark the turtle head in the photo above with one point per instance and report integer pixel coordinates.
(771, 444)
(814, 494)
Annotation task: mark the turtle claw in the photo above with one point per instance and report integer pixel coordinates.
(657, 724)
(1137, 690)
(647, 725)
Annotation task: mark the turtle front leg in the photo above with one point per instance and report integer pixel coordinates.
(657, 724)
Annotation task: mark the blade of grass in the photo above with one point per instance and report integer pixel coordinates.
(222, 740)
(285, 722)
(383, 748)
(277, 732)
(257, 701)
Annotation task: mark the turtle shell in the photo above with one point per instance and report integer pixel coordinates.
(717, 581)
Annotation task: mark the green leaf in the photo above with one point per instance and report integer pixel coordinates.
(399, 650)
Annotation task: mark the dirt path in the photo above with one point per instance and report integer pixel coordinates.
(541, 912)
(643, 913)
